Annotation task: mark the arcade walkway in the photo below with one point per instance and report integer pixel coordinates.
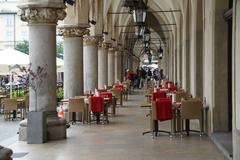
(120, 140)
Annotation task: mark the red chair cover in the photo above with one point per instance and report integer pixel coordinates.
(164, 109)
(169, 82)
(96, 104)
(106, 95)
(160, 94)
(173, 88)
(118, 86)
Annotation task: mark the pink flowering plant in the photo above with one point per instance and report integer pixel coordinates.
(33, 79)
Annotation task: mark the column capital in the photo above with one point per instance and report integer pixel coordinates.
(90, 40)
(112, 49)
(72, 31)
(106, 45)
(35, 15)
(100, 41)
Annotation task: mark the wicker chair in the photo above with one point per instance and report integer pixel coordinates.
(192, 109)
(76, 105)
(10, 105)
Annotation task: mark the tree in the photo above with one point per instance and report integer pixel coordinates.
(60, 50)
(23, 47)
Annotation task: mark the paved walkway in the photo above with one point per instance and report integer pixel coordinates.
(122, 139)
(8, 131)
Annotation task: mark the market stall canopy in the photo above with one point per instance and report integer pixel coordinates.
(10, 57)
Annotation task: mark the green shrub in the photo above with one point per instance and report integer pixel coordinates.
(59, 94)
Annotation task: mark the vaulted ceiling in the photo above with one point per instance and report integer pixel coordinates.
(155, 21)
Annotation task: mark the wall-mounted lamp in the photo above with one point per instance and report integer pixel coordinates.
(70, 2)
(160, 52)
(92, 22)
(106, 33)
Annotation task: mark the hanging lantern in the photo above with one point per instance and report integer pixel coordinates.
(147, 35)
(140, 14)
(138, 32)
(160, 52)
(150, 57)
(130, 3)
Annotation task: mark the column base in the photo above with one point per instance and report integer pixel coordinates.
(56, 128)
(5, 153)
(236, 146)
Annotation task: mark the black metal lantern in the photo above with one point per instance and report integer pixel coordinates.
(138, 32)
(160, 52)
(160, 56)
(140, 13)
(130, 3)
(147, 44)
(149, 57)
(147, 35)
(70, 2)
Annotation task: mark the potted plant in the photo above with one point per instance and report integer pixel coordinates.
(36, 125)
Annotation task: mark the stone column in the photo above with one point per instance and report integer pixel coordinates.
(42, 50)
(103, 64)
(122, 67)
(90, 63)
(73, 60)
(111, 66)
(185, 51)
(236, 79)
(118, 67)
(42, 20)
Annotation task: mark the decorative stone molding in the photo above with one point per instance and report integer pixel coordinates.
(90, 41)
(112, 50)
(100, 42)
(72, 31)
(106, 45)
(42, 15)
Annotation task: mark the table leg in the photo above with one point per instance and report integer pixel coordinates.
(187, 126)
(106, 112)
(174, 121)
(74, 117)
(155, 124)
(14, 114)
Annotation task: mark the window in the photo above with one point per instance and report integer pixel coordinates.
(9, 20)
(9, 36)
(24, 35)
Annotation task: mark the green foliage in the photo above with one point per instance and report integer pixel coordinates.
(59, 93)
(60, 50)
(23, 47)
(18, 93)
